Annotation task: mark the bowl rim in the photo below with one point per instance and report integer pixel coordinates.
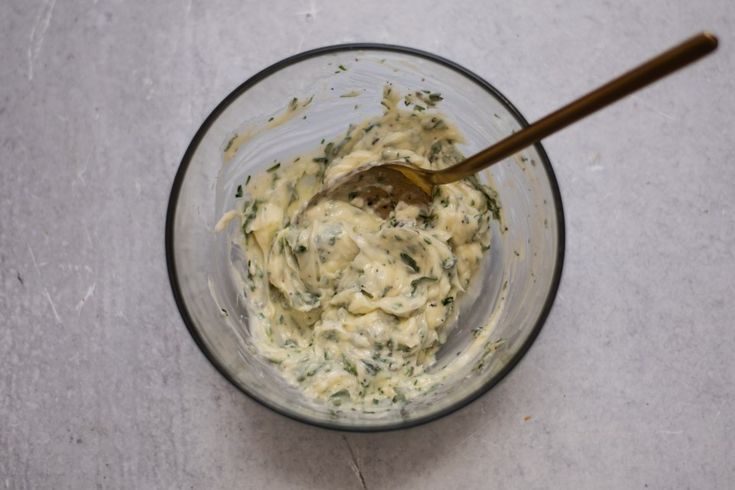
(266, 72)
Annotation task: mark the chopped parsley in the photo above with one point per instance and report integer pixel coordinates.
(409, 261)
(230, 143)
(348, 366)
(449, 262)
(436, 148)
(371, 368)
(421, 280)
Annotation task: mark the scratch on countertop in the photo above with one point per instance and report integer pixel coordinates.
(33, 259)
(87, 295)
(53, 306)
(354, 464)
(86, 233)
(45, 289)
(650, 107)
(38, 33)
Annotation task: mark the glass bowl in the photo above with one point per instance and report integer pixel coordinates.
(512, 292)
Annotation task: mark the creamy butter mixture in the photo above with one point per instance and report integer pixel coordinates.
(352, 306)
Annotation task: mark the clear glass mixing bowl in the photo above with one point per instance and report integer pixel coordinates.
(514, 289)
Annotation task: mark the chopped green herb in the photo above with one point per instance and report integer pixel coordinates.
(230, 143)
(247, 181)
(300, 249)
(449, 262)
(238, 194)
(342, 67)
(251, 211)
(434, 152)
(366, 293)
(371, 368)
(308, 298)
(416, 282)
(398, 397)
(438, 123)
(348, 366)
(329, 150)
(448, 301)
(409, 261)
(419, 108)
(293, 104)
(274, 167)
(426, 220)
(336, 398)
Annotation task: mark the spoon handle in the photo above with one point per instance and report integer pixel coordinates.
(637, 78)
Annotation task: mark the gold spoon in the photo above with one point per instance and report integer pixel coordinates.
(385, 183)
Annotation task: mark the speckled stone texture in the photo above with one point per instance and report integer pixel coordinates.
(631, 383)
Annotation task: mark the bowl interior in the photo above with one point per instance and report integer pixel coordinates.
(513, 290)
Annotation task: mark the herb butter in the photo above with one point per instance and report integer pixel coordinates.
(352, 306)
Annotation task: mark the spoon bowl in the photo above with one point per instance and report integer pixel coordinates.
(380, 185)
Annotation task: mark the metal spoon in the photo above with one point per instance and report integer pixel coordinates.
(383, 184)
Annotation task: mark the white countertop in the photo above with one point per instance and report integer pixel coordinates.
(631, 383)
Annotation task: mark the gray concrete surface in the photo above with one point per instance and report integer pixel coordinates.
(631, 384)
